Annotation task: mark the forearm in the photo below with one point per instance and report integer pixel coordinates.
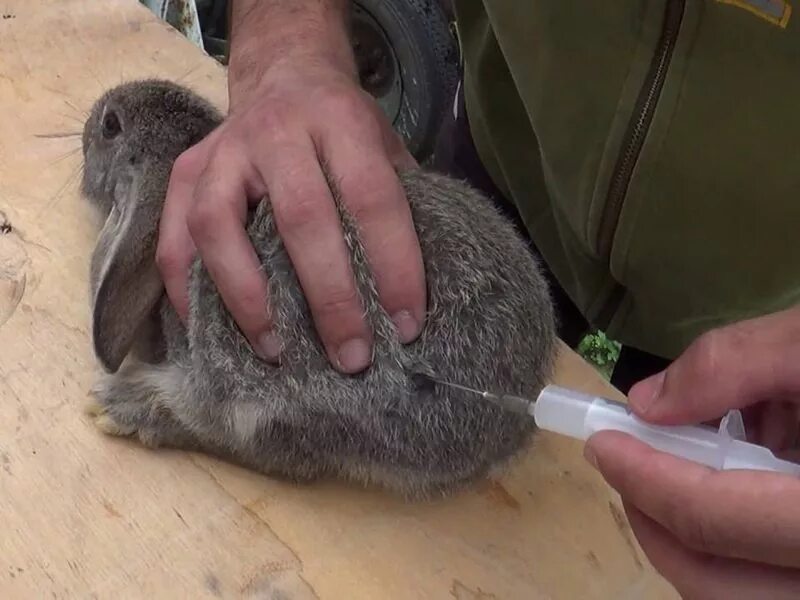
(265, 33)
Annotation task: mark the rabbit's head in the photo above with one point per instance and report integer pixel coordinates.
(131, 139)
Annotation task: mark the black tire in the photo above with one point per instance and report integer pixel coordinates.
(408, 60)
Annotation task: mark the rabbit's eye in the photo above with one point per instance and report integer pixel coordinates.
(111, 125)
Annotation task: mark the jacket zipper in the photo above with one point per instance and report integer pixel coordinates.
(639, 125)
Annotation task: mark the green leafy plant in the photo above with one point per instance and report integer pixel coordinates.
(601, 351)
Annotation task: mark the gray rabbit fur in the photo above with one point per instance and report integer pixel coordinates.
(490, 324)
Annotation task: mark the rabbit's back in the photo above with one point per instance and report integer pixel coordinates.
(489, 325)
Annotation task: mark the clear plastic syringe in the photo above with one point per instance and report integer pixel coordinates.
(578, 415)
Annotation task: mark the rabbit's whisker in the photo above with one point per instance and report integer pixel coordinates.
(70, 180)
(72, 117)
(75, 108)
(68, 134)
(66, 155)
(96, 78)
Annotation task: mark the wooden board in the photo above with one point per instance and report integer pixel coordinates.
(84, 515)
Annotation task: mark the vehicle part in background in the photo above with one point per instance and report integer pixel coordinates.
(181, 14)
(214, 25)
(407, 56)
(408, 60)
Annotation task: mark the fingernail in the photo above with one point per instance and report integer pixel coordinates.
(269, 347)
(644, 394)
(354, 355)
(407, 326)
(588, 454)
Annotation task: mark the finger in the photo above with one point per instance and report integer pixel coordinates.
(732, 367)
(700, 576)
(175, 249)
(396, 148)
(399, 155)
(372, 194)
(216, 223)
(771, 424)
(751, 418)
(310, 228)
(778, 426)
(752, 515)
(392, 142)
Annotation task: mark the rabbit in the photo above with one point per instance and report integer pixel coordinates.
(489, 324)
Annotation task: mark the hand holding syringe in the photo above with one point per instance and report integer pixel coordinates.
(731, 529)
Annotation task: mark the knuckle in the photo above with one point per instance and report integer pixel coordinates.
(250, 304)
(710, 350)
(346, 105)
(366, 207)
(370, 127)
(338, 303)
(202, 218)
(225, 154)
(167, 259)
(359, 114)
(297, 212)
(272, 120)
(188, 165)
(370, 195)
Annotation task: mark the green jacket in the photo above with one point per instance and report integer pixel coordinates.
(653, 150)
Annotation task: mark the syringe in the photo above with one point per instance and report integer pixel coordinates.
(578, 415)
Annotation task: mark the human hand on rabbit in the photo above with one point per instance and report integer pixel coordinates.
(296, 119)
(729, 534)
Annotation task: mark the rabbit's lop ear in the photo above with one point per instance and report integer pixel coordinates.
(128, 284)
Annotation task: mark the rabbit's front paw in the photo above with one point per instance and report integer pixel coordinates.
(131, 402)
(117, 409)
(106, 422)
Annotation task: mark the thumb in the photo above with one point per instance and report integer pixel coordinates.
(728, 368)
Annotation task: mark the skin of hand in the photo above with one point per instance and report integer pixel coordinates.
(296, 106)
(717, 534)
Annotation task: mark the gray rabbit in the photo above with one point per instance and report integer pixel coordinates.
(490, 324)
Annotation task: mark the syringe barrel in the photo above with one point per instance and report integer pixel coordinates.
(579, 415)
(562, 411)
